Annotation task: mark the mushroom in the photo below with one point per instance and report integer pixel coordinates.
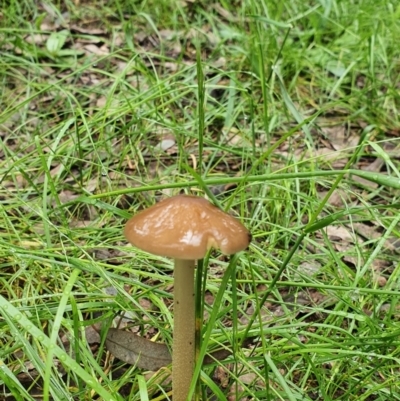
(184, 228)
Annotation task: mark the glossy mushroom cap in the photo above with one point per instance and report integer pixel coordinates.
(186, 227)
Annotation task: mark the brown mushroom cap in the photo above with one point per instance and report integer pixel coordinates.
(186, 227)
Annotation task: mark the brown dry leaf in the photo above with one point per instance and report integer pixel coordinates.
(375, 166)
(53, 20)
(92, 185)
(136, 350)
(18, 182)
(173, 67)
(169, 34)
(219, 63)
(89, 28)
(266, 315)
(99, 51)
(364, 182)
(205, 31)
(166, 144)
(112, 256)
(339, 198)
(101, 102)
(223, 12)
(340, 138)
(119, 40)
(393, 244)
(367, 231)
(336, 160)
(386, 308)
(233, 391)
(373, 232)
(67, 196)
(296, 302)
(340, 233)
(92, 335)
(146, 354)
(37, 39)
(234, 137)
(347, 254)
(146, 304)
(82, 224)
(221, 376)
(209, 300)
(90, 79)
(380, 280)
(308, 269)
(249, 378)
(108, 105)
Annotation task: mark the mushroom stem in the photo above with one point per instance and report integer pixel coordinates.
(183, 344)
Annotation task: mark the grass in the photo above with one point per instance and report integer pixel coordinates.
(297, 102)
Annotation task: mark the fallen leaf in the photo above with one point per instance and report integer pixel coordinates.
(91, 29)
(308, 269)
(136, 350)
(221, 376)
(165, 144)
(336, 233)
(146, 354)
(92, 335)
(99, 51)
